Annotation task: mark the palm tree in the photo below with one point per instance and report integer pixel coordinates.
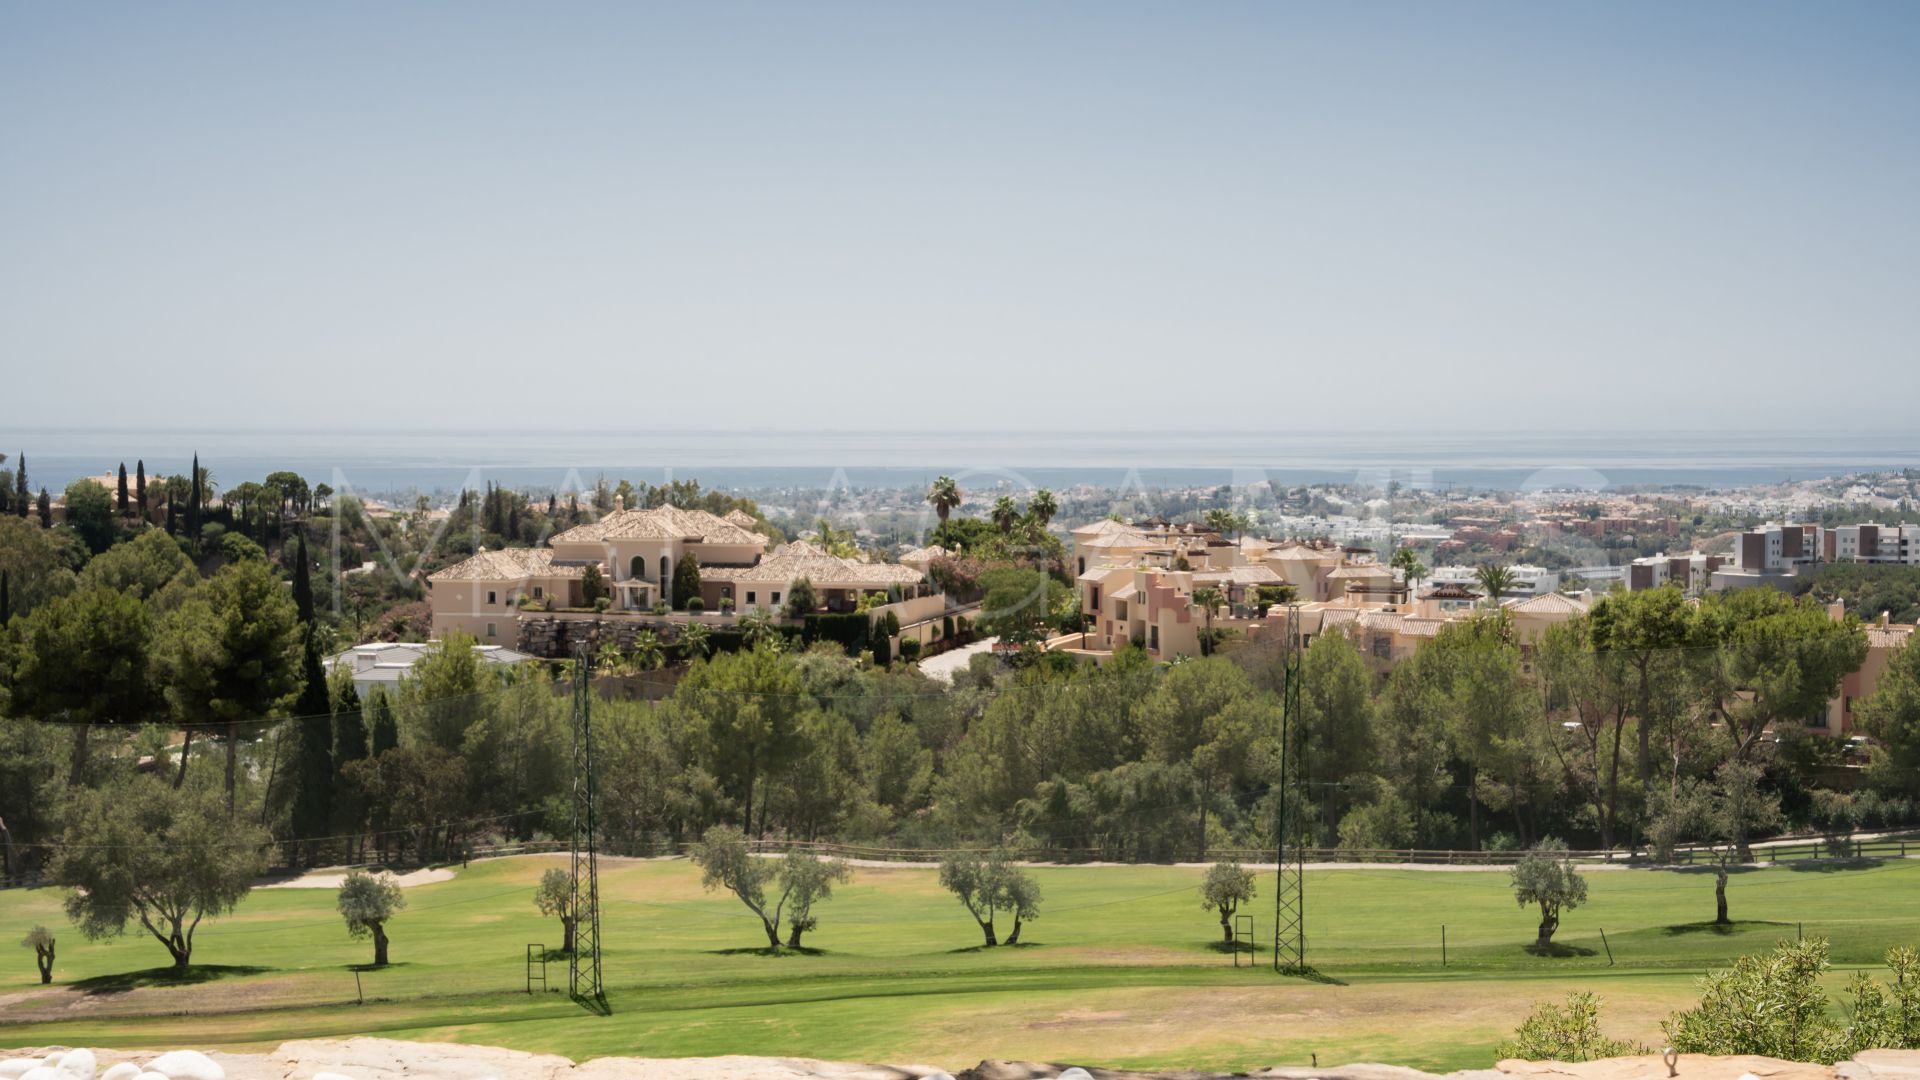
(944, 495)
(695, 642)
(1207, 599)
(647, 651)
(609, 660)
(1042, 506)
(1408, 563)
(1494, 580)
(1005, 515)
(756, 629)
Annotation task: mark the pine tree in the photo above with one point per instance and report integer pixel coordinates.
(303, 583)
(122, 504)
(313, 754)
(46, 510)
(386, 734)
(140, 487)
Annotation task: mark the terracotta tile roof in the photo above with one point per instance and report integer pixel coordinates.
(926, 554)
(802, 560)
(1419, 626)
(1382, 620)
(1889, 637)
(1241, 575)
(1118, 540)
(507, 564)
(1107, 527)
(1368, 571)
(666, 522)
(741, 518)
(1548, 604)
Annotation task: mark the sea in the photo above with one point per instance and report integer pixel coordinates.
(404, 463)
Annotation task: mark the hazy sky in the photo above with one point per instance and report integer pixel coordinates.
(1070, 215)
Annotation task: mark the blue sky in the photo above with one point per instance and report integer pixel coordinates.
(969, 215)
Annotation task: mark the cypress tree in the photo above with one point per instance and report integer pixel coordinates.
(349, 746)
(22, 495)
(303, 583)
(140, 487)
(122, 506)
(171, 530)
(386, 734)
(193, 504)
(313, 754)
(46, 510)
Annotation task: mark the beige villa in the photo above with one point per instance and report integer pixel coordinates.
(636, 552)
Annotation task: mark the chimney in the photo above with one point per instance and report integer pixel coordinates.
(1883, 620)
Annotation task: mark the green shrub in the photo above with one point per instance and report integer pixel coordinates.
(882, 651)
(601, 603)
(661, 607)
(696, 605)
(1565, 1033)
(910, 649)
(1770, 1005)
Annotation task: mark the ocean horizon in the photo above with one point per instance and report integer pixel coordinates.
(377, 461)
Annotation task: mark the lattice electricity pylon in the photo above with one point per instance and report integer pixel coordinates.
(1290, 877)
(583, 967)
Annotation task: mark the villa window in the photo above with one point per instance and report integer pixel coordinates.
(1153, 637)
(663, 570)
(539, 593)
(750, 596)
(489, 629)
(491, 597)
(776, 599)
(638, 567)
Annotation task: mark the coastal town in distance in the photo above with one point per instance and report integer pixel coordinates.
(838, 540)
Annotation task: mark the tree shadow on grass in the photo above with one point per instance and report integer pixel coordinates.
(1314, 975)
(1225, 948)
(1708, 869)
(124, 981)
(1557, 949)
(1831, 866)
(768, 950)
(996, 948)
(1726, 928)
(377, 967)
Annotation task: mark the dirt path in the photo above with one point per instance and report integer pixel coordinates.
(332, 877)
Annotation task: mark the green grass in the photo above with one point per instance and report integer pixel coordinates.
(1122, 968)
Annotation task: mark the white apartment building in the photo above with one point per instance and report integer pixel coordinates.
(1528, 580)
(1778, 549)
(1892, 544)
(1691, 570)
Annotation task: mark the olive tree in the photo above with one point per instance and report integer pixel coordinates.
(40, 940)
(554, 897)
(989, 884)
(1226, 886)
(367, 902)
(808, 879)
(802, 877)
(1546, 877)
(166, 857)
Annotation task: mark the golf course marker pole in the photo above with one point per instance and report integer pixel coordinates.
(583, 967)
(1290, 878)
